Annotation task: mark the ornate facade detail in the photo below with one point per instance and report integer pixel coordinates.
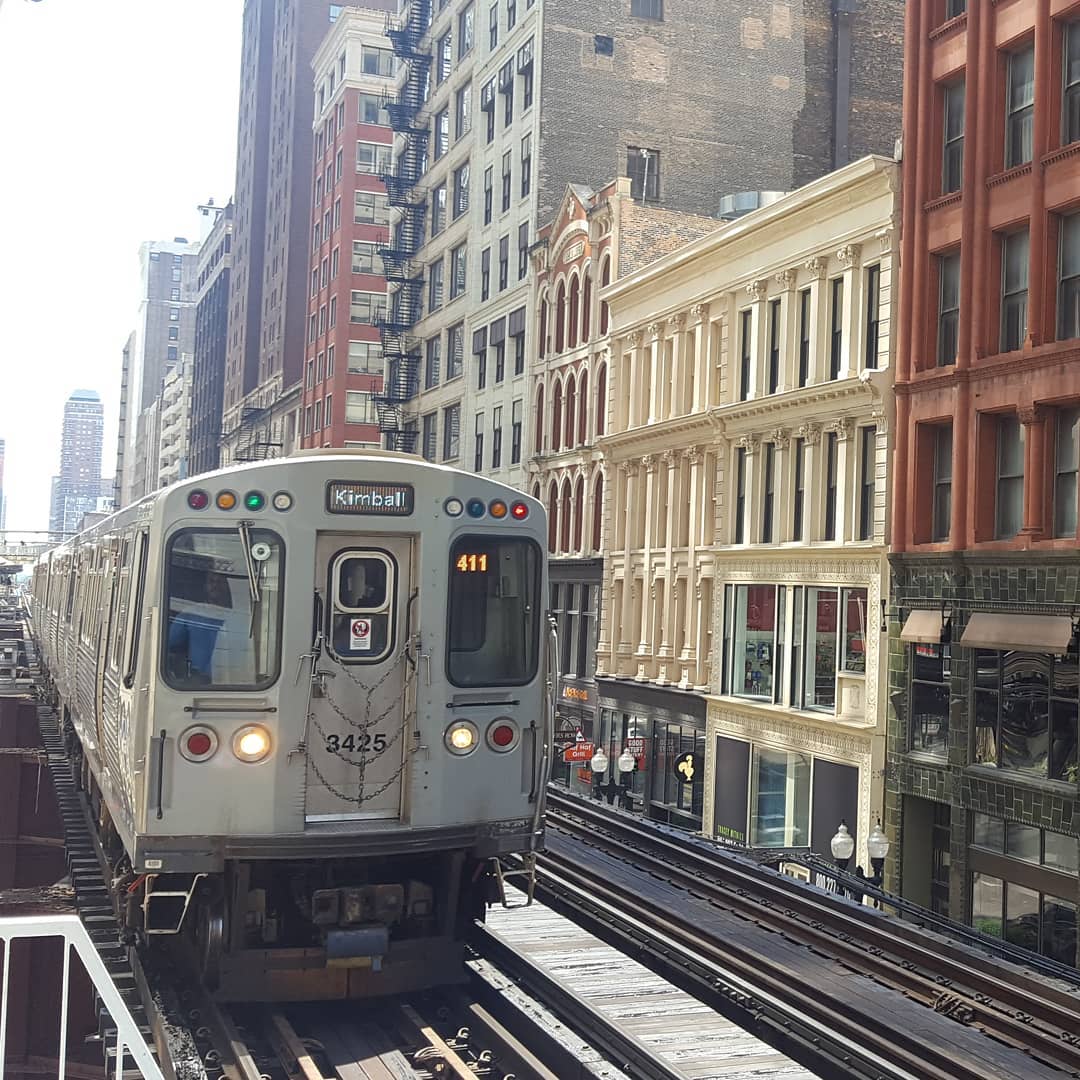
(848, 255)
(1031, 414)
(656, 329)
(694, 455)
(748, 442)
(779, 437)
(809, 433)
(649, 462)
(636, 337)
(670, 458)
(886, 238)
(699, 312)
(785, 279)
(842, 426)
(677, 321)
(815, 267)
(757, 290)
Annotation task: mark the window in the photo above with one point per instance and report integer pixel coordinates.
(1070, 118)
(329, 362)
(224, 618)
(948, 308)
(952, 166)
(451, 432)
(1037, 921)
(317, 426)
(1066, 447)
(365, 258)
(339, 165)
(1009, 498)
(525, 66)
(493, 636)
(333, 312)
(432, 361)
(768, 498)
(435, 285)
(337, 215)
(506, 184)
(1020, 107)
(800, 489)
(740, 495)
(459, 261)
(804, 337)
(832, 448)
(172, 353)
(954, 8)
(363, 306)
(493, 28)
(504, 262)
(444, 57)
(867, 471)
(427, 447)
(515, 433)
(466, 27)
(496, 437)
(941, 518)
(1014, 290)
(371, 209)
(438, 209)
(1026, 712)
(779, 798)
(480, 352)
(372, 157)
(1069, 275)
(442, 133)
(174, 314)
(365, 357)
(461, 190)
(500, 360)
(176, 273)
(335, 262)
(774, 345)
(478, 444)
(506, 87)
(746, 322)
(463, 111)
(487, 106)
(836, 333)
(371, 110)
(488, 184)
(455, 351)
(526, 165)
(643, 168)
(519, 360)
(523, 250)
(174, 294)
(647, 9)
(511, 14)
(821, 647)
(174, 333)
(873, 303)
(377, 61)
(750, 662)
(485, 273)
(930, 668)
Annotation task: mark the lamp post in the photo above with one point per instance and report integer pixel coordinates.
(877, 846)
(626, 765)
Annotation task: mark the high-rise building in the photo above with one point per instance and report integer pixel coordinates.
(983, 740)
(343, 370)
(3, 497)
(268, 312)
(78, 486)
(211, 342)
(708, 110)
(164, 335)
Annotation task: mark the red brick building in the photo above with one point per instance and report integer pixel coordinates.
(343, 362)
(984, 795)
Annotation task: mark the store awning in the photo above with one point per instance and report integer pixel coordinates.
(925, 626)
(1002, 630)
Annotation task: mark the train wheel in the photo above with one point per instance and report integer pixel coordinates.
(210, 939)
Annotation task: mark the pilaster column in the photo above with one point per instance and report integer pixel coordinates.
(818, 365)
(697, 390)
(1034, 420)
(671, 461)
(751, 494)
(626, 472)
(649, 463)
(789, 332)
(638, 371)
(781, 442)
(654, 371)
(812, 470)
(845, 477)
(1039, 314)
(673, 390)
(759, 333)
(851, 321)
(694, 461)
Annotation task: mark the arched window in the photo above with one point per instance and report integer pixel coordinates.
(571, 403)
(536, 492)
(579, 512)
(564, 517)
(540, 419)
(583, 408)
(543, 328)
(598, 512)
(556, 417)
(601, 399)
(553, 517)
(560, 318)
(575, 307)
(605, 279)
(586, 305)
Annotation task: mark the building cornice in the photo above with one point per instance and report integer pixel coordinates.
(631, 444)
(1020, 363)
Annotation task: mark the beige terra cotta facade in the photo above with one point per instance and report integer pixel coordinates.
(747, 455)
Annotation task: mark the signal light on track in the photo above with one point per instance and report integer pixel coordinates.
(198, 500)
(519, 511)
(226, 500)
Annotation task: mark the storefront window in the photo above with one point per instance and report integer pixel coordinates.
(821, 612)
(779, 799)
(677, 798)
(987, 894)
(930, 674)
(854, 632)
(754, 645)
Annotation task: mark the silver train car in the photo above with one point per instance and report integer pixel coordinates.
(310, 700)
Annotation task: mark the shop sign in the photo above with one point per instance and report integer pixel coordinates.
(688, 768)
(580, 694)
(580, 751)
(636, 746)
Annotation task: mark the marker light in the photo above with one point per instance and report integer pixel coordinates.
(254, 500)
(460, 737)
(497, 509)
(198, 743)
(475, 508)
(502, 735)
(198, 500)
(226, 500)
(519, 511)
(251, 743)
(282, 501)
(454, 507)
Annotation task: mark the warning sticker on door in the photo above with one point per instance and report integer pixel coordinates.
(360, 635)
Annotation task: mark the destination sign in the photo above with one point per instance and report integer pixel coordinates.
(361, 497)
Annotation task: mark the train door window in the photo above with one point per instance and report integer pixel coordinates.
(121, 592)
(494, 611)
(364, 589)
(134, 612)
(73, 579)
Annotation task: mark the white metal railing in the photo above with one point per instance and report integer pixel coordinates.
(72, 932)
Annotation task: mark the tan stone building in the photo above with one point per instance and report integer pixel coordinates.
(745, 568)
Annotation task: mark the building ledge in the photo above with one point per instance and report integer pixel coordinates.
(808, 718)
(942, 201)
(1067, 151)
(952, 26)
(1008, 175)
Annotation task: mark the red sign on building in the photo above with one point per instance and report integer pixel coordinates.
(581, 751)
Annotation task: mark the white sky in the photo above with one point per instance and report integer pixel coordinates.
(117, 118)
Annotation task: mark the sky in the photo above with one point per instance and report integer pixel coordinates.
(117, 119)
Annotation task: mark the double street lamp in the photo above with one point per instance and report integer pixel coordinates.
(627, 765)
(877, 846)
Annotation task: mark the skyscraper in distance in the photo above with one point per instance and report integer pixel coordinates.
(78, 486)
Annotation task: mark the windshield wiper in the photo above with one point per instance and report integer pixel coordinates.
(244, 528)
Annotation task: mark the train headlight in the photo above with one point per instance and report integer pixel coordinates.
(251, 743)
(461, 737)
(198, 743)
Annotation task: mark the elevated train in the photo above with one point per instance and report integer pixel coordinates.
(311, 702)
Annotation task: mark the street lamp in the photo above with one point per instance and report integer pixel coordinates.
(626, 764)
(877, 846)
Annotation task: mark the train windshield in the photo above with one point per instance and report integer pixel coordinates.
(494, 619)
(223, 609)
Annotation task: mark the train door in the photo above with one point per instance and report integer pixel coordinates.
(360, 708)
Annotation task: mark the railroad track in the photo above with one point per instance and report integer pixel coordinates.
(1027, 1018)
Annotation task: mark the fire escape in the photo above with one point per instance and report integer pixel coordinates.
(401, 349)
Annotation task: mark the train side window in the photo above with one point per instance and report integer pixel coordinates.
(136, 589)
(121, 592)
(73, 578)
(363, 616)
(494, 611)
